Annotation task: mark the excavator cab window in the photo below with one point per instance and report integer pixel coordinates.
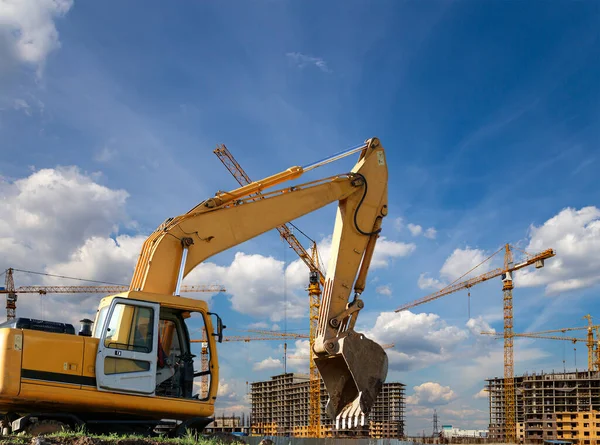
(175, 370)
(130, 327)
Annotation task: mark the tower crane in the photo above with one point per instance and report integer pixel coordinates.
(316, 283)
(267, 335)
(12, 292)
(505, 273)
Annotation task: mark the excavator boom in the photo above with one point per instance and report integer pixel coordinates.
(353, 367)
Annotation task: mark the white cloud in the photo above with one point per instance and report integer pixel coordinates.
(256, 285)
(385, 290)
(105, 259)
(463, 260)
(575, 235)
(477, 325)
(232, 397)
(430, 233)
(299, 356)
(483, 394)
(107, 154)
(399, 224)
(420, 339)
(418, 411)
(490, 360)
(231, 410)
(65, 205)
(62, 221)
(268, 363)
(426, 282)
(80, 221)
(21, 104)
(463, 413)
(225, 390)
(415, 229)
(431, 394)
(27, 29)
(386, 251)
(302, 60)
(259, 325)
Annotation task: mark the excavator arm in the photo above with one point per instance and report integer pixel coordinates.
(353, 367)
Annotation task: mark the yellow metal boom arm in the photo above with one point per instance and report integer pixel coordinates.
(230, 218)
(353, 367)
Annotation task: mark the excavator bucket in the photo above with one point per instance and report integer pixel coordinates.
(353, 378)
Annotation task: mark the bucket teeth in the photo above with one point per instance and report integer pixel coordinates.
(353, 377)
(351, 415)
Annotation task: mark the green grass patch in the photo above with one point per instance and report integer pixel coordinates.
(81, 437)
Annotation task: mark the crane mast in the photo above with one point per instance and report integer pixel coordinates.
(509, 372)
(11, 295)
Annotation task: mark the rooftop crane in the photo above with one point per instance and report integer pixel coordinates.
(505, 273)
(316, 283)
(12, 292)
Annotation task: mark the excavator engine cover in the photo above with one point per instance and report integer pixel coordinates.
(353, 378)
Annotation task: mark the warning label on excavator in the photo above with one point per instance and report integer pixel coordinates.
(380, 158)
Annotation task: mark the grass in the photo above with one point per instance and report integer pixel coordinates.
(82, 437)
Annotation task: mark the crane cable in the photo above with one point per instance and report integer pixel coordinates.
(69, 278)
(472, 269)
(296, 227)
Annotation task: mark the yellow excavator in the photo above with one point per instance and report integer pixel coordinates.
(132, 368)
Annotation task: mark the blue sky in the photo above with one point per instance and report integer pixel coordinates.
(489, 112)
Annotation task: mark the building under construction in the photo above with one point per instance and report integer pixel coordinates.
(554, 406)
(280, 408)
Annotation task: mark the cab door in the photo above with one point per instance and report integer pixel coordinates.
(127, 350)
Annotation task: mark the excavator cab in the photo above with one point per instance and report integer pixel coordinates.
(144, 347)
